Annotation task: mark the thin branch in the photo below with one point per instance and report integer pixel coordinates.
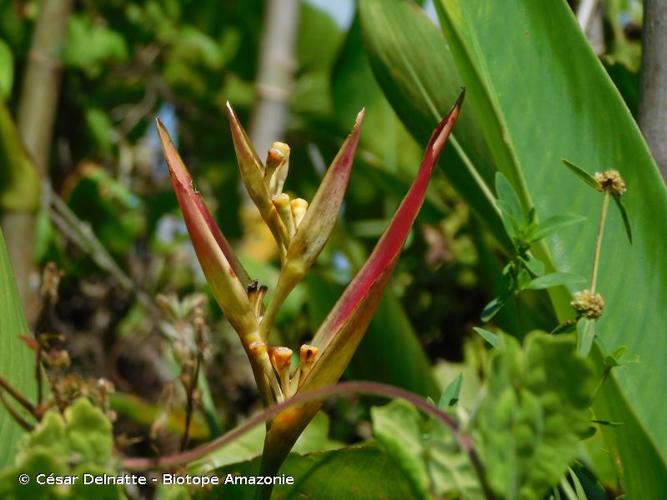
(39, 376)
(585, 13)
(81, 234)
(589, 17)
(190, 404)
(18, 397)
(15, 414)
(342, 389)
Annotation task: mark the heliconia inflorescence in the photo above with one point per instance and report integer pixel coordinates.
(301, 230)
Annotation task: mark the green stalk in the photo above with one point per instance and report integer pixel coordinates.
(598, 240)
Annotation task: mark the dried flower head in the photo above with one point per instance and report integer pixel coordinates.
(50, 282)
(588, 304)
(611, 181)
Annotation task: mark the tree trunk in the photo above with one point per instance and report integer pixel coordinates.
(653, 95)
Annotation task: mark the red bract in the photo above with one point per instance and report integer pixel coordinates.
(343, 329)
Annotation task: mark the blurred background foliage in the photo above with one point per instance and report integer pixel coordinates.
(126, 62)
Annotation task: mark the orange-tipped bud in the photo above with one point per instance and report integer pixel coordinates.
(299, 208)
(277, 167)
(281, 357)
(308, 354)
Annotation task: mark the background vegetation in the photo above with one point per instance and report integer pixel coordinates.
(83, 185)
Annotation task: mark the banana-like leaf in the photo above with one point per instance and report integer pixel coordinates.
(529, 121)
(342, 330)
(252, 173)
(422, 93)
(224, 272)
(315, 228)
(17, 361)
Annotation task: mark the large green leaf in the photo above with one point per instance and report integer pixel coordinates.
(356, 472)
(17, 364)
(538, 94)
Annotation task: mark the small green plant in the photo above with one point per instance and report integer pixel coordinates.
(68, 445)
(525, 271)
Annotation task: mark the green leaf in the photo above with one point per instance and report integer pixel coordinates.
(493, 339)
(534, 265)
(553, 224)
(585, 335)
(88, 432)
(555, 279)
(450, 396)
(90, 45)
(535, 412)
(582, 174)
(17, 362)
(6, 70)
(355, 472)
(509, 199)
(607, 422)
(488, 42)
(19, 181)
(578, 488)
(79, 441)
(624, 216)
(425, 452)
(492, 308)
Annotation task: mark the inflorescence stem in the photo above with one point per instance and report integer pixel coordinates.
(598, 240)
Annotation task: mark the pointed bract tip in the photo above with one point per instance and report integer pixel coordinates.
(445, 127)
(360, 117)
(161, 130)
(460, 98)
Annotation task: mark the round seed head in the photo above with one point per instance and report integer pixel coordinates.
(588, 304)
(611, 181)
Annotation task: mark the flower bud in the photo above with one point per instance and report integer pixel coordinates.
(277, 167)
(283, 206)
